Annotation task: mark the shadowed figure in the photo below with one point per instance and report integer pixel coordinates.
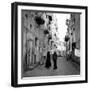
(48, 60)
(55, 60)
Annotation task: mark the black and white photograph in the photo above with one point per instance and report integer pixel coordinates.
(49, 44)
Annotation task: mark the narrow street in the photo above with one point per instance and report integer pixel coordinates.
(64, 68)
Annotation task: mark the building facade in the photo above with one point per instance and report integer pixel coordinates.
(73, 32)
(38, 32)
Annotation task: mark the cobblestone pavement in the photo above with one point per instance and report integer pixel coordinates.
(64, 68)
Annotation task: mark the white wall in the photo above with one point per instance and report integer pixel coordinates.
(5, 46)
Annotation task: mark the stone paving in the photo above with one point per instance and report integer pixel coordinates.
(64, 68)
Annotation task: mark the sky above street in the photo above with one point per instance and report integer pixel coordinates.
(61, 23)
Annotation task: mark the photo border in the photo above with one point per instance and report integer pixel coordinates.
(14, 42)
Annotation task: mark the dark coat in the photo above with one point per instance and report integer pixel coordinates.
(55, 56)
(48, 60)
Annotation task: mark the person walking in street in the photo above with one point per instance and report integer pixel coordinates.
(48, 60)
(54, 57)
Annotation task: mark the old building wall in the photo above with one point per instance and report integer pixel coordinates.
(37, 28)
(76, 29)
(73, 31)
